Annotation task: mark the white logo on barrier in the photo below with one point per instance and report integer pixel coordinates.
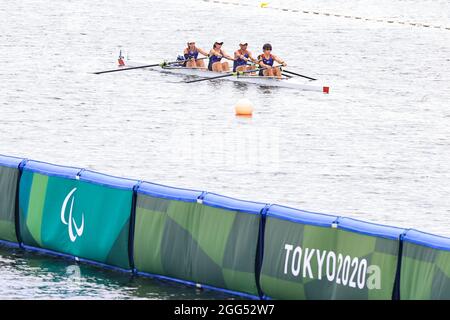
(71, 222)
(345, 270)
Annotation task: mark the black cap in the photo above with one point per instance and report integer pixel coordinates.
(267, 46)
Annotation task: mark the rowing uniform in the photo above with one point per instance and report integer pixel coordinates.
(190, 55)
(267, 61)
(212, 60)
(240, 62)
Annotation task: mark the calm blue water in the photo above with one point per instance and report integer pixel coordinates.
(376, 148)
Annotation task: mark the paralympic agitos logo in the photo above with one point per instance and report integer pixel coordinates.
(70, 222)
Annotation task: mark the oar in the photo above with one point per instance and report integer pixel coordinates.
(229, 75)
(212, 78)
(300, 75)
(130, 68)
(146, 66)
(285, 71)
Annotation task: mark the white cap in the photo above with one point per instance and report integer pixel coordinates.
(243, 42)
(191, 40)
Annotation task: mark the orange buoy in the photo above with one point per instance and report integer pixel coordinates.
(243, 108)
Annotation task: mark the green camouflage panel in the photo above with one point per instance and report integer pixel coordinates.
(75, 217)
(425, 273)
(8, 190)
(197, 243)
(310, 262)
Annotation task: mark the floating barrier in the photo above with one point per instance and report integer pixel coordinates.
(327, 257)
(252, 249)
(9, 178)
(291, 237)
(202, 238)
(76, 212)
(425, 269)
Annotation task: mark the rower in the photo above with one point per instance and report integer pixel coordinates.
(266, 60)
(242, 57)
(215, 55)
(191, 55)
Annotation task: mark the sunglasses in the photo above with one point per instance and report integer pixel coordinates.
(267, 49)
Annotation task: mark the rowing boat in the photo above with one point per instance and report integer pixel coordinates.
(284, 82)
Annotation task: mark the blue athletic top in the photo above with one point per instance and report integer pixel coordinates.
(212, 60)
(191, 54)
(266, 61)
(239, 62)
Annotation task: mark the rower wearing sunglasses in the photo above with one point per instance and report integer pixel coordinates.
(242, 57)
(266, 60)
(215, 56)
(191, 55)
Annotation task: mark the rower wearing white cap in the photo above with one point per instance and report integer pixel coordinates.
(215, 55)
(241, 58)
(191, 55)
